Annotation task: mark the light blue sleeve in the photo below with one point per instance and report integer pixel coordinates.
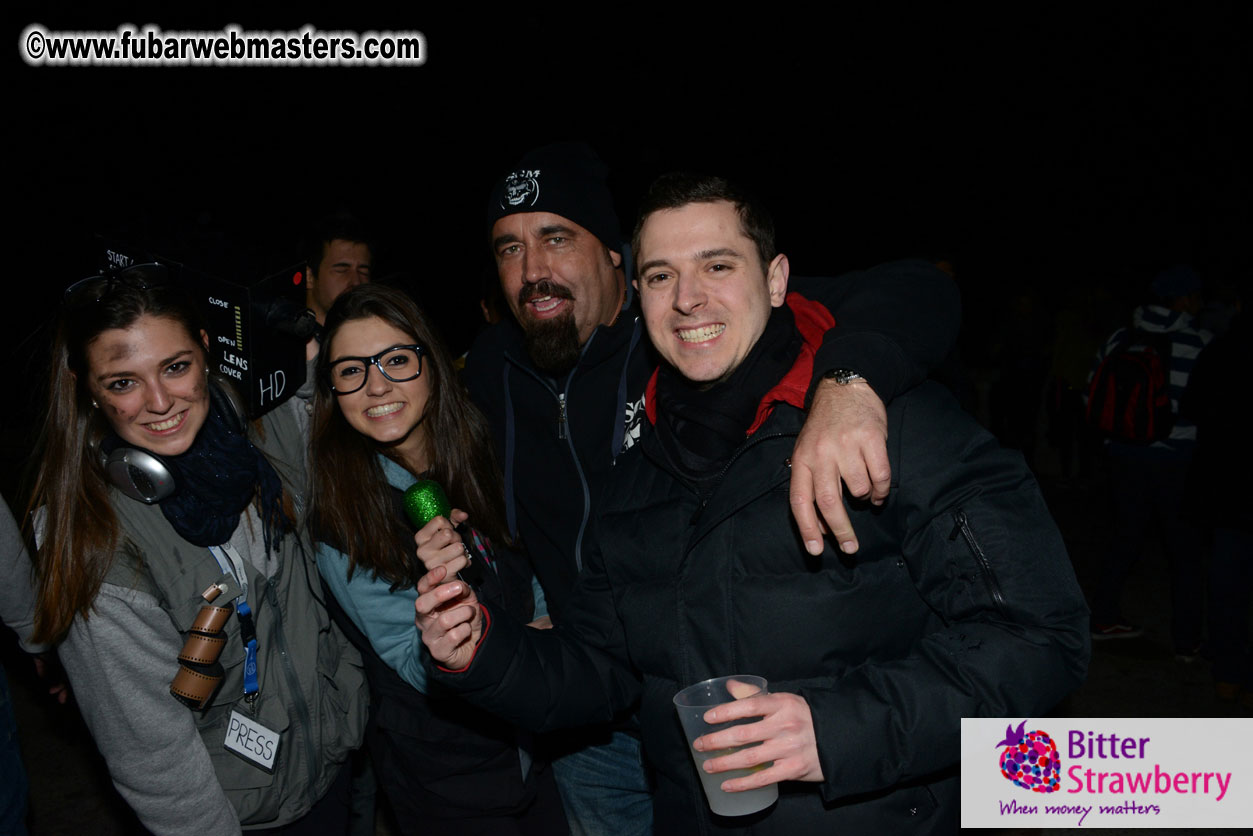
(385, 617)
(541, 603)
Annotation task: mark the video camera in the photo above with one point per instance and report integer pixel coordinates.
(258, 327)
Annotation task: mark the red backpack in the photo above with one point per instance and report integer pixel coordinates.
(1129, 395)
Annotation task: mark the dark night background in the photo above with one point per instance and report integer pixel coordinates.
(1058, 162)
(1048, 154)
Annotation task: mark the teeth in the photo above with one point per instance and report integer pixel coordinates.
(167, 424)
(545, 303)
(700, 335)
(385, 409)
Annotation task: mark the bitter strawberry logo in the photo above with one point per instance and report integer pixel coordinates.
(1030, 759)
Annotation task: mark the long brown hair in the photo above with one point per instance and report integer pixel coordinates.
(351, 504)
(80, 531)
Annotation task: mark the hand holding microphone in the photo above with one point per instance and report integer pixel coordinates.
(449, 630)
(450, 618)
(443, 536)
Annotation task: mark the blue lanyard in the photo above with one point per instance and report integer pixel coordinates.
(231, 563)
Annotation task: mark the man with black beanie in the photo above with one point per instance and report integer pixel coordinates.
(960, 602)
(563, 387)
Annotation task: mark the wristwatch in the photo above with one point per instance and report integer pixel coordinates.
(842, 376)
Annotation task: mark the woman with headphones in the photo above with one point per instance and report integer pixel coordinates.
(173, 568)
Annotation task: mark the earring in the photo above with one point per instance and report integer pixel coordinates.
(94, 405)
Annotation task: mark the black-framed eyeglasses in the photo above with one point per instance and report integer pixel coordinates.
(93, 289)
(399, 364)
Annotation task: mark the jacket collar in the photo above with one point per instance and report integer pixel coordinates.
(813, 321)
(395, 473)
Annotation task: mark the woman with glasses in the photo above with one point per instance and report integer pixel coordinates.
(388, 411)
(173, 566)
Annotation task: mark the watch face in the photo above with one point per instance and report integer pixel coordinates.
(843, 376)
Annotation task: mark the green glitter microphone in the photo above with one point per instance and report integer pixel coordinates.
(425, 500)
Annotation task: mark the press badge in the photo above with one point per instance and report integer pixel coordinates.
(252, 741)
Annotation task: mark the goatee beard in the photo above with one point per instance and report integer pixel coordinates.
(553, 344)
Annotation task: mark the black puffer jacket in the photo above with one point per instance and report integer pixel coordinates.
(559, 438)
(961, 602)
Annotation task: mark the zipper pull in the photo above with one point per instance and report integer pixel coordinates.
(959, 518)
(561, 415)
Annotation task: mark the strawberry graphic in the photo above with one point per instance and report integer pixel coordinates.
(1030, 759)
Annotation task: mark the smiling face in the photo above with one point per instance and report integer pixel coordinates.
(705, 294)
(150, 382)
(556, 275)
(391, 413)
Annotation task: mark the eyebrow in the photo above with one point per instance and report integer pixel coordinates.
(721, 252)
(365, 264)
(167, 361)
(553, 229)
(378, 353)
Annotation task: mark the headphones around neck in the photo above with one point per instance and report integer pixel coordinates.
(143, 475)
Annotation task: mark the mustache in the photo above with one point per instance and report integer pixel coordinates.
(543, 288)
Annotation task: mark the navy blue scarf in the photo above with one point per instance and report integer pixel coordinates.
(215, 480)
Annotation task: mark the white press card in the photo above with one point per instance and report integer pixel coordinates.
(252, 741)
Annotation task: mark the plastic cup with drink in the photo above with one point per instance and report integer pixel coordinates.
(692, 703)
